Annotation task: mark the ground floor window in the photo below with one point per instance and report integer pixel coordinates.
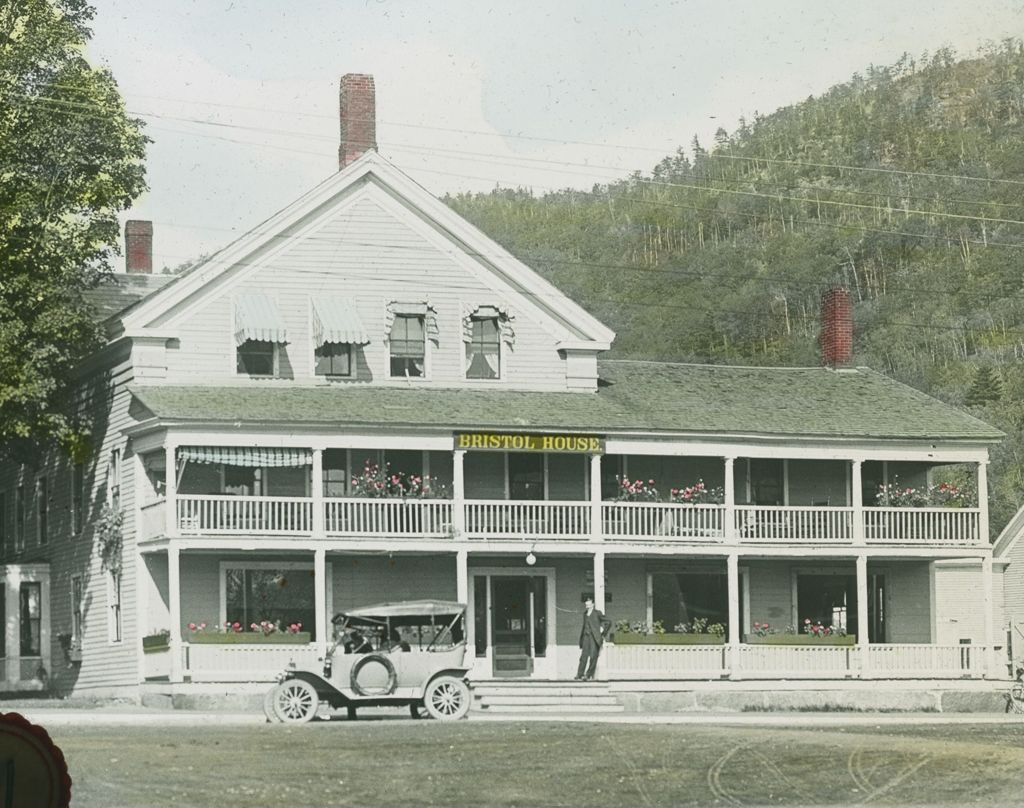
(689, 601)
(114, 606)
(284, 595)
(31, 597)
(827, 599)
(77, 618)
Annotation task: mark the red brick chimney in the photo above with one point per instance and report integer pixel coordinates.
(836, 327)
(358, 108)
(138, 246)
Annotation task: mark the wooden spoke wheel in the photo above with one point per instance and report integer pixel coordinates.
(295, 701)
(447, 698)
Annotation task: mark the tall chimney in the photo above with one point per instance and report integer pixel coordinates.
(138, 247)
(836, 327)
(358, 108)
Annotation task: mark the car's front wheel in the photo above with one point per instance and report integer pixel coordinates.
(295, 701)
(268, 705)
(446, 698)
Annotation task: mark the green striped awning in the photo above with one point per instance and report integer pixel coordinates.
(336, 320)
(257, 318)
(252, 456)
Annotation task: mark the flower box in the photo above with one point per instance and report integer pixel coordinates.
(801, 639)
(153, 643)
(248, 638)
(668, 638)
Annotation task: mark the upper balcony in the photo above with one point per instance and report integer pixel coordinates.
(507, 496)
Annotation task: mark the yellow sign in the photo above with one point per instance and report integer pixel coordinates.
(504, 441)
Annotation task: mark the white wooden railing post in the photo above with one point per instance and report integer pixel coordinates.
(320, 600)
(857, 501)
(174, 604)
(317, 490)
(458, 494)
(171, 487)
(732, 566)
(731, 533)
(862, 614)
(982, 485)
(596, 522)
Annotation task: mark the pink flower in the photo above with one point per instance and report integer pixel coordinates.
(191, 626)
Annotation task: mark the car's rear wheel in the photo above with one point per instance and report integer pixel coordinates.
(295, 701)
(447, 698)
(268, 705)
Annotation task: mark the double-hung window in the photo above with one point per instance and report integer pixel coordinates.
(3, 522)
(483, 350)
(114, 605)
(77, 615)
(19, 518)
(408, 348)
(42, 511)
(257, 358)
(114, 481)
(31, 603)
(77, 497)
(259, 334)
(334, 359)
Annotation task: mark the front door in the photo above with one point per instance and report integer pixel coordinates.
(511, 632)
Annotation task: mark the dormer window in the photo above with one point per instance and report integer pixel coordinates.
(336, 329)
(259, 335)
(483, 351)
(408, 347)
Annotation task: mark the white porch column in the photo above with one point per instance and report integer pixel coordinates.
(731, 534)
(458, 494)
(462, 576)
(983, 503)
(596, 523)
(320, 600)
(989, 667)
(599, 673)
(174, 605)
(862, 611)
(732, 574)
(857, 501)
(171, 487)
(317, 490)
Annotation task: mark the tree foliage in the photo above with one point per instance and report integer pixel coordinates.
(903, 183)
(70, 160)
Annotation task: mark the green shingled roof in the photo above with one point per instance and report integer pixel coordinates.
(633, 396)
(118, 292)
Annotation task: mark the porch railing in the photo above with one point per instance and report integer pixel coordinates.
(925, 661)
(663, 520)
(922, 525)
(388, 517)
(273, 516)
(795, 661)
(665, 661)
(761, 523)
(205, 662)
(537, 519)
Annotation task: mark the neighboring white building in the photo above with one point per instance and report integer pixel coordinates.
(367, 324)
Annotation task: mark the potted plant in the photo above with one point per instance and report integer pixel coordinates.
(156, 641)
(814, 633)
(697, 632)
(262, 633)
(72, 648)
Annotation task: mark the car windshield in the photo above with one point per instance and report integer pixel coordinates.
(421, 625)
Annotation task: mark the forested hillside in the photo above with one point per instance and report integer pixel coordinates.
(905, 183)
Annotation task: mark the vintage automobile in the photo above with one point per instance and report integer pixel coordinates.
(406, 653)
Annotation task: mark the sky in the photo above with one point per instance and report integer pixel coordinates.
(240, 97)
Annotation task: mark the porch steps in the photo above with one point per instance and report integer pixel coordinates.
(544, 696)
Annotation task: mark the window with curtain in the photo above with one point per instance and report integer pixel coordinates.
(334, 359)
(483, 350)
(408, 348)
(31, 602)
(42, 511)
(19, 518)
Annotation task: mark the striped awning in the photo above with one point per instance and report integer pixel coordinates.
(257, 318)
(336, 320)
(252, 456)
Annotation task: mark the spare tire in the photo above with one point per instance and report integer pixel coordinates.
(374, 689)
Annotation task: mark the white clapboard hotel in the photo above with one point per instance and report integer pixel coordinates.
(367, 399)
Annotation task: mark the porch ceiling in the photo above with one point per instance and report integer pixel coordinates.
(633, 396)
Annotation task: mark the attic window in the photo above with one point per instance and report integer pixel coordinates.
(407, 328)
(484, 330)
(259, 330)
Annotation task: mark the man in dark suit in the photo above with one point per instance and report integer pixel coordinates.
(595, 628)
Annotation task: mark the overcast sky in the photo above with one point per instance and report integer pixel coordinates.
(240, 96)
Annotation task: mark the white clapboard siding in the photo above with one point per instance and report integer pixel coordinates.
(959, 612)
(369, 256)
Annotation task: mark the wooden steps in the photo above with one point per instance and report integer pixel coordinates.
(547, 696)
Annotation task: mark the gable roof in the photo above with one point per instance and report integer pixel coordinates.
(119, 292)
(632, 396)
(582, 330)
(1009, 536)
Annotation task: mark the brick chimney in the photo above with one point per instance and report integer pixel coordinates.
(836, 327)
(138, 247)
(358, 108)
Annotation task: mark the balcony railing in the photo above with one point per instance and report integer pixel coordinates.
(663, 520)
(922, 525)
(760, 523)
(226, 515)
(388, 517)
(538, 519)
(230, 515)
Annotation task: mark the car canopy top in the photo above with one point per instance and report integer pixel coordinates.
(404, 611)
